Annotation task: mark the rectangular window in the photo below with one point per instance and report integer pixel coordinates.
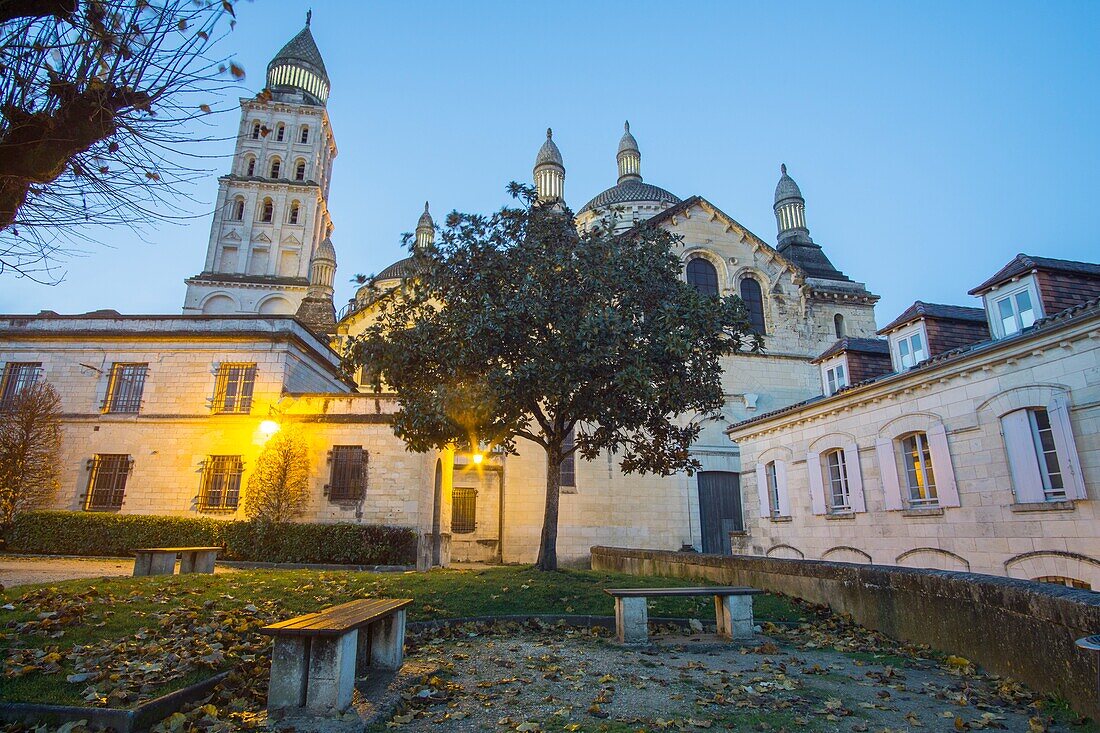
(1015, 311)
(233, 390)
(18, 376)
(464, 511)
(107, 482)
(125, 387)
(1046, 454)
(911, 350)
(835, 378)
(568, 473)
(221, 483)
(838, 481)
(349, 472)
(773, 488)
(919, 478)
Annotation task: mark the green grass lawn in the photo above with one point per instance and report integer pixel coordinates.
(134, 624)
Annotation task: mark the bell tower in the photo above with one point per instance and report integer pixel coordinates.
(271, 215)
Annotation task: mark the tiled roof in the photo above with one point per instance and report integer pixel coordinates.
(1022, 264)
(851, 343)
(302, 48)
(920, 309)
(401, 268)
(1089, 307)
(629, 191)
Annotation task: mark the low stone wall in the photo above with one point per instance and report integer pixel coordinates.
(1010, 627)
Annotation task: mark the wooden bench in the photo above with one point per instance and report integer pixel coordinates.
(162, 560)
(318, 656)
(732, 609)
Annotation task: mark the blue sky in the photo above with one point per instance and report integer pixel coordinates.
(932, 140)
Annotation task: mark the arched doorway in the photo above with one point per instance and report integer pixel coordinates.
(437, 509)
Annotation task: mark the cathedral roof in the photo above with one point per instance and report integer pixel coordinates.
(300, 53)
(302, 49)
(786, 188)
(627, 142)
(549, 152)
(631, 191)
(400, 269)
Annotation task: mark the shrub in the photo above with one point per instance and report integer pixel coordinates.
(100, 534)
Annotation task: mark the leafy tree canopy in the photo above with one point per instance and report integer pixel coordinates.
(519, 325)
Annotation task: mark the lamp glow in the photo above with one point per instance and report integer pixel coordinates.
(477, 458)
(269, 427)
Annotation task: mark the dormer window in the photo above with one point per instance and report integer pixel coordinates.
(1015, 311)
(909, 347)
(836, 377)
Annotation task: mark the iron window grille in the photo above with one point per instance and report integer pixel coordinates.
(107, 481)
(233, 389)
(567, 476)
(464, 511)
(125, 388)
(349, 473)
(18, 376)
(221, 483)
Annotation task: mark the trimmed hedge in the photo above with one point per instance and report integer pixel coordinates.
(115, 535)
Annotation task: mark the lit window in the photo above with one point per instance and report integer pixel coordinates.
(18, 376)
(304, 137)
(125, 387)
(838, 481)
(275, 168)
(280, 131)
(838, 325)
(568, 473)
(300, 171)
(233, 388)
(268, 211)
(349, 473)
(911, 350)
(919, 478)
(702, 276)
(293, 218)
(464, 511)
(835, 378)
(1015, 311)
(221, 483)
(256, 130)
(107, 482)
(772, 479)
(753, 299)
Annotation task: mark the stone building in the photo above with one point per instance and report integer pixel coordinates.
(965, 439)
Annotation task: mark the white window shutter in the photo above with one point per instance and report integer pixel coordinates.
(1021, 458)
(947, 491)
(762, 489)
(855, 478)
(1072, 477)
(817, 489)
(888, 470)
(781, 481)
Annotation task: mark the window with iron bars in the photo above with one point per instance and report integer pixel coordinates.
(349, 473)
(233, 389)
(107, 481)
(567, 474)
(464, 511)
(125, 388)
(221, 483)
(18, 376)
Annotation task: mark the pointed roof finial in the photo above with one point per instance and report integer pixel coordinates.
(626, 126)
(549, 134)
(309, 16)
(783, 168)
(425, 207)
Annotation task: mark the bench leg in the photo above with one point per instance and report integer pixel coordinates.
(187, 562)
(289, 671)
(142, 564)
(387, 641)
(331, 673)
(197, 562)
(162, 563)
(734, 616)
(631, 620)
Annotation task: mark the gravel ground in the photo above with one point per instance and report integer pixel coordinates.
(574, 680)
(23, 570)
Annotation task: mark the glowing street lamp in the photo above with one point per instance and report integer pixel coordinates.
(477, 458)
(269, 428)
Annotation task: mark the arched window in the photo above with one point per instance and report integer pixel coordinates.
(300, 171)
(754, 301)
(293, 217)
(280, 132)
(838, 325)
(268, 211)
(304, 137)
(275, 163)
(702, 276)
(238, 209)
(256, 130)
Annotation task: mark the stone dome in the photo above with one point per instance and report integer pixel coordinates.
(627, 143)
(549, 153)
(425, 219)
(631, 191)
(299, 66)
(786, 188)
(326, 250)
(398, 270)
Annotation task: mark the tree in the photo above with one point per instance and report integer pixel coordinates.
(519, 326)
(30, 450)
(278, 488)
(94, 100)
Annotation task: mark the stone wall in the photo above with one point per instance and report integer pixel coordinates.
(1010, 627)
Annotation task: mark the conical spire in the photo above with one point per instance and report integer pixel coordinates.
(790, 210)
(317, 310)
(425, 230)
(549, 170)
(298, 69)
(629, 157)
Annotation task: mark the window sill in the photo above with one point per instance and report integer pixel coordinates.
(217, 510)
(780, 520)
(841, 515)
(102, 509)
(567, 489)
(924, 511)
(1066, 505)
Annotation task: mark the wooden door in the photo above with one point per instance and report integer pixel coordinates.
(719, 509)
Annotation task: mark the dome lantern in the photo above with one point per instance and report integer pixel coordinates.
(629, 157)
(298, 69)
(425, 230)
(549, 170)
(790, 210)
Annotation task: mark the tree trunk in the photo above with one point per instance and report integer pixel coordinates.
(548, 545)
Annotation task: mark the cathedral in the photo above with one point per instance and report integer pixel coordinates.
(166, 414)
